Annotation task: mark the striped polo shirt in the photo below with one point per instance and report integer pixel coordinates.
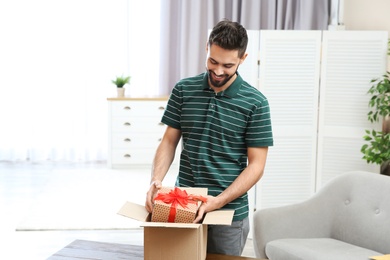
(216, 130)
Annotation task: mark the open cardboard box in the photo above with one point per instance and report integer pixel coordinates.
(179, 241)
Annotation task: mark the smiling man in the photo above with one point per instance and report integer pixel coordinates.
(226, 130)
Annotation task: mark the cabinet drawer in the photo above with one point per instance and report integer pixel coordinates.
(136, 140)
(131, 125)
(138, 108)
(132, 156)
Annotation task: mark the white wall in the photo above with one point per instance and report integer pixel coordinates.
(367, 15)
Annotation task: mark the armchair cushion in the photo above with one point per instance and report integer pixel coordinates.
(316, 249)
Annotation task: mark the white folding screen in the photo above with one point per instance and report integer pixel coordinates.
(289, 77)
(316, 83)
(350, 59)
(249, 70)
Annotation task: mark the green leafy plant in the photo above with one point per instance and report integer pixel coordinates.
(378, 148)
(121, 81)
(380, 100)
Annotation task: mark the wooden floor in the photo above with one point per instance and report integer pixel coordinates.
(20, 184)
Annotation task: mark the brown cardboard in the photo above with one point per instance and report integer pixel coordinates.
(175, 241)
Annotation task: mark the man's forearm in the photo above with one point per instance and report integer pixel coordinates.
(242, 184)
(162, 161)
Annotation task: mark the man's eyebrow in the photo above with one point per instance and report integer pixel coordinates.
(227, 64)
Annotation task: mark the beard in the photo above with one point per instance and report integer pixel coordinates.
(224, 79)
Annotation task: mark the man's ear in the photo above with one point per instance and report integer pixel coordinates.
(207, 47)
(243, 58)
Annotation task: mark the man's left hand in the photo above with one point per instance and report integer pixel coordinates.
(211, 204)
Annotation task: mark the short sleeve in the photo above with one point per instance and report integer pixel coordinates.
(172, 112)
(259, 130)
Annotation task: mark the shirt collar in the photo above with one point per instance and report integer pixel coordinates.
(231, 91)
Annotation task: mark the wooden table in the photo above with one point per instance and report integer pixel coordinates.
(84, 249)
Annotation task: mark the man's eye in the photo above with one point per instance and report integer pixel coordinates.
(213, 62)
(228, 66)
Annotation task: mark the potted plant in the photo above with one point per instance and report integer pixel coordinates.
(120, 82)
(378, 148)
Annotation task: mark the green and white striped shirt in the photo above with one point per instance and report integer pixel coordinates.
(217, 129)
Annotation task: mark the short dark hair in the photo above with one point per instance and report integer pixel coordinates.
(229, 35)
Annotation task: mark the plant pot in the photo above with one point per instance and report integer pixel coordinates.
(120, 92)
(386, 124)
(385, 168)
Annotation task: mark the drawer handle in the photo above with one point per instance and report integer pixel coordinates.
(159, 139)
(161, 108)
(127, 140)
(160, 123)
(127, 124)
(127, 108)
(127, 155)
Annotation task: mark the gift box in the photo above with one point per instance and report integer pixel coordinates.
(175, 205)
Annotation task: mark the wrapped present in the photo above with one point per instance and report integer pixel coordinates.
(176, 205)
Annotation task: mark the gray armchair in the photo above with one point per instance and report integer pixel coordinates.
(349, 218)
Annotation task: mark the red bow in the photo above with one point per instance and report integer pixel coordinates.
(178, 197)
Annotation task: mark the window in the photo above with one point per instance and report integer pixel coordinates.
(57, 62)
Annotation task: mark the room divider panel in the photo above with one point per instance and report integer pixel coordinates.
(350, 60)
(316, 83)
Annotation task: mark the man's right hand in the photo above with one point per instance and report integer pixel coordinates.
(154, 187)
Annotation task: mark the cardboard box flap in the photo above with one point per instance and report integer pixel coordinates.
(170, 225)
(138, 212)
(219, 217)
(134, 211)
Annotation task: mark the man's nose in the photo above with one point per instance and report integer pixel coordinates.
(218, 71)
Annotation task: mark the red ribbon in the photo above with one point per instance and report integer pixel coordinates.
(178, 197)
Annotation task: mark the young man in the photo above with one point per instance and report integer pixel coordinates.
(226, 129)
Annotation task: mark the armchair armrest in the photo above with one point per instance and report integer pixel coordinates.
(302, 220)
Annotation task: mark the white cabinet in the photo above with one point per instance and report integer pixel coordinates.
(134, 130)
